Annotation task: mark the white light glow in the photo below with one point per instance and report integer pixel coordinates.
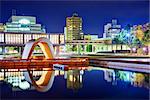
(24, 85)
(144, 48)
(134, 49)
(24, 21)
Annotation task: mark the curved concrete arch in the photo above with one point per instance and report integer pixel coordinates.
(46, 80)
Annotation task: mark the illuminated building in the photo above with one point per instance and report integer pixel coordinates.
(111, 29)
(22, 38)
(92, 44)
(90, 37)
(2, 27)
(18, 40)
(23, 24)
(21, 29)
(73, 28)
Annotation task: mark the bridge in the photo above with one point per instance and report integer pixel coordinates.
(44, 83)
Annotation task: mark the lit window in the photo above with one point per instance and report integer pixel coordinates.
(24, 21)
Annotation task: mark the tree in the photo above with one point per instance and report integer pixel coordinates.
(127, 37)
(139, 33)
(146, 39)
(118, 39)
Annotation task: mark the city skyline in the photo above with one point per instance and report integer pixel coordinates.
(74, 49)
(54, 19)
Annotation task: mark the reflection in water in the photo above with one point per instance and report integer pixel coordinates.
(135, 79)
(16, 79)
(74, 78)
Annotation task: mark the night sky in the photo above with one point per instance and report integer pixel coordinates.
(52, 14)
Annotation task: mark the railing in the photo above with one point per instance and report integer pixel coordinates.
(42, 63)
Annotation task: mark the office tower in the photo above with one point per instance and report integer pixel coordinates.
(73, 28)
(2, 27)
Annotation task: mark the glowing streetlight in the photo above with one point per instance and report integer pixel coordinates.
(134, 49)
(144, 49)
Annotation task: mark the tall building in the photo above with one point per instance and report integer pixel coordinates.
(73, 28)
(111, 29)
(24, 24)
(2, 27)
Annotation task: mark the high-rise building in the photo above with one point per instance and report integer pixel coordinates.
(24, 24)
(2, 27)
(111, 29)
(73, 28)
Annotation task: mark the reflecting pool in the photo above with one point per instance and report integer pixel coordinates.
(92, 83)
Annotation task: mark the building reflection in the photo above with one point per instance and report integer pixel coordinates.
(17, 80)
(74, 79)
(135, 79)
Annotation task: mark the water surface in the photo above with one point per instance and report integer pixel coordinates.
(93, 83)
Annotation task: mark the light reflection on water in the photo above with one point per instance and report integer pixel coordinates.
(17, 80)
(75, 79)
